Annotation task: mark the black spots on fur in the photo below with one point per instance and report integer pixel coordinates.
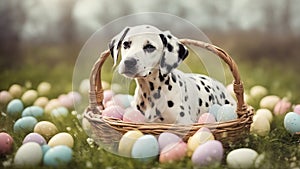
(156, 95)
(182, 52)
(145, 95)
(127, 44)
(192, 78)
(209, 98)
(198, 87)
(170, 47)
(181, 107)
(206, 104)
(218, 88)
(207, 89)
(186, 98)
(143, 113)
(152, 104)
(138, 107)
(190, 108)
(149, 117)
(173, 78)
(200, 102)
(163, 39)
(198, 113)
(222, 96)
(202, 83)
(202, 77)
(169, 36)
(151, 85)
(161, 78)
(227, 102)
(181, 114)
(167, 82)
(170, 103)
(170, 87)
(161, 119)
(111, 47)
(180, 83)
(158, 113)
(142, 104)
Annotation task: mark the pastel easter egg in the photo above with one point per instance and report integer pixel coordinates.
(5, 97)
(46, 129)
(66, 101)
(173, 152)
(260, 125)
(15, 108)
(226, 113)
(25, 124)
(6, 143)
(241, 158)
(15, 90)
(44, 89)
(258, 92)
(297, 109)
(203, 129)
(61, 139)
(29, 97)
(133, 115)
(34, 111)
(206, 118)
(34, 137)
(214, 109)
(60, 112)
(84, 86)
(198, 139)
(107, 96)
(211, 152)
(114, 111)
(58, 156)
(41, 102)
(269, 102)
(29, 154)
(292, 122)
(123, 100)
(127, 141)
(282, 107)
(75, 97)
(52, 104)
(45, 148)
(167, 138)
(145, 148)
(265, 112)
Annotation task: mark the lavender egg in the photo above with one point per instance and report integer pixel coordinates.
(208, 153)
(34, 137)
(166, 138)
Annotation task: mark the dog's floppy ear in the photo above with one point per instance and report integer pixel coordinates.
(116, 42)
(174, 53)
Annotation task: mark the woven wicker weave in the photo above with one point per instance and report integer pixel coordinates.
(108, 131)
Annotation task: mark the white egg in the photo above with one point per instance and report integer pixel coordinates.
(29, 154)
(260, 126)
(265, 112)
(241, 158)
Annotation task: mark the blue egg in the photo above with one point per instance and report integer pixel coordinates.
(57, 156)
(34, 111)
(60, 112)
(145, 148)
(292, 122)
(45, 148)
(25, 124)
(15, 107)
(214, 109)
(226, 113)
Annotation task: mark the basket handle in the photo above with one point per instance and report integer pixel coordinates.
(96, 90)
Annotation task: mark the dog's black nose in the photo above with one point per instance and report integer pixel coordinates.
(130, 62)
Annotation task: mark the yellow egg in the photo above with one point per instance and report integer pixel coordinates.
(46, 129)
(260, 126)
(198, 139)
(61, 139)
(15, 90)
(257, 92)
(52, 104)
(127, 141)
(269, 102)
(29, 97)
(41, 101)
(44, 88)
(265, 112)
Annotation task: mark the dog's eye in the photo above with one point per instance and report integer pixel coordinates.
(149, 48)
(126, 44)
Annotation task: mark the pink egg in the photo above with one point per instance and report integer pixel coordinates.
(107, 96)
(282, 107)
(203, 129)
(208, 153)
(34, 137)
(133, 115)
(114, 111)
(207, 118)
(66, 101)
(6, 143)
(173, 152)
(74, 96)
(110, 103)
(297, 109)
(166, 138)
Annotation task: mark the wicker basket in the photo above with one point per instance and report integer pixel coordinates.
(107, 131)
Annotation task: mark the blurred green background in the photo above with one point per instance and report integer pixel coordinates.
(40, 40)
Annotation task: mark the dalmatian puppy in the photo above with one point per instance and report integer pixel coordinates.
(164, 94)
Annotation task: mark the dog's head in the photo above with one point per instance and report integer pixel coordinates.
(145, 48)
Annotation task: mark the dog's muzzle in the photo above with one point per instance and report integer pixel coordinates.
(129, 67)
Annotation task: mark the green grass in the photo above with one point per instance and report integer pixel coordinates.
(280, 148)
